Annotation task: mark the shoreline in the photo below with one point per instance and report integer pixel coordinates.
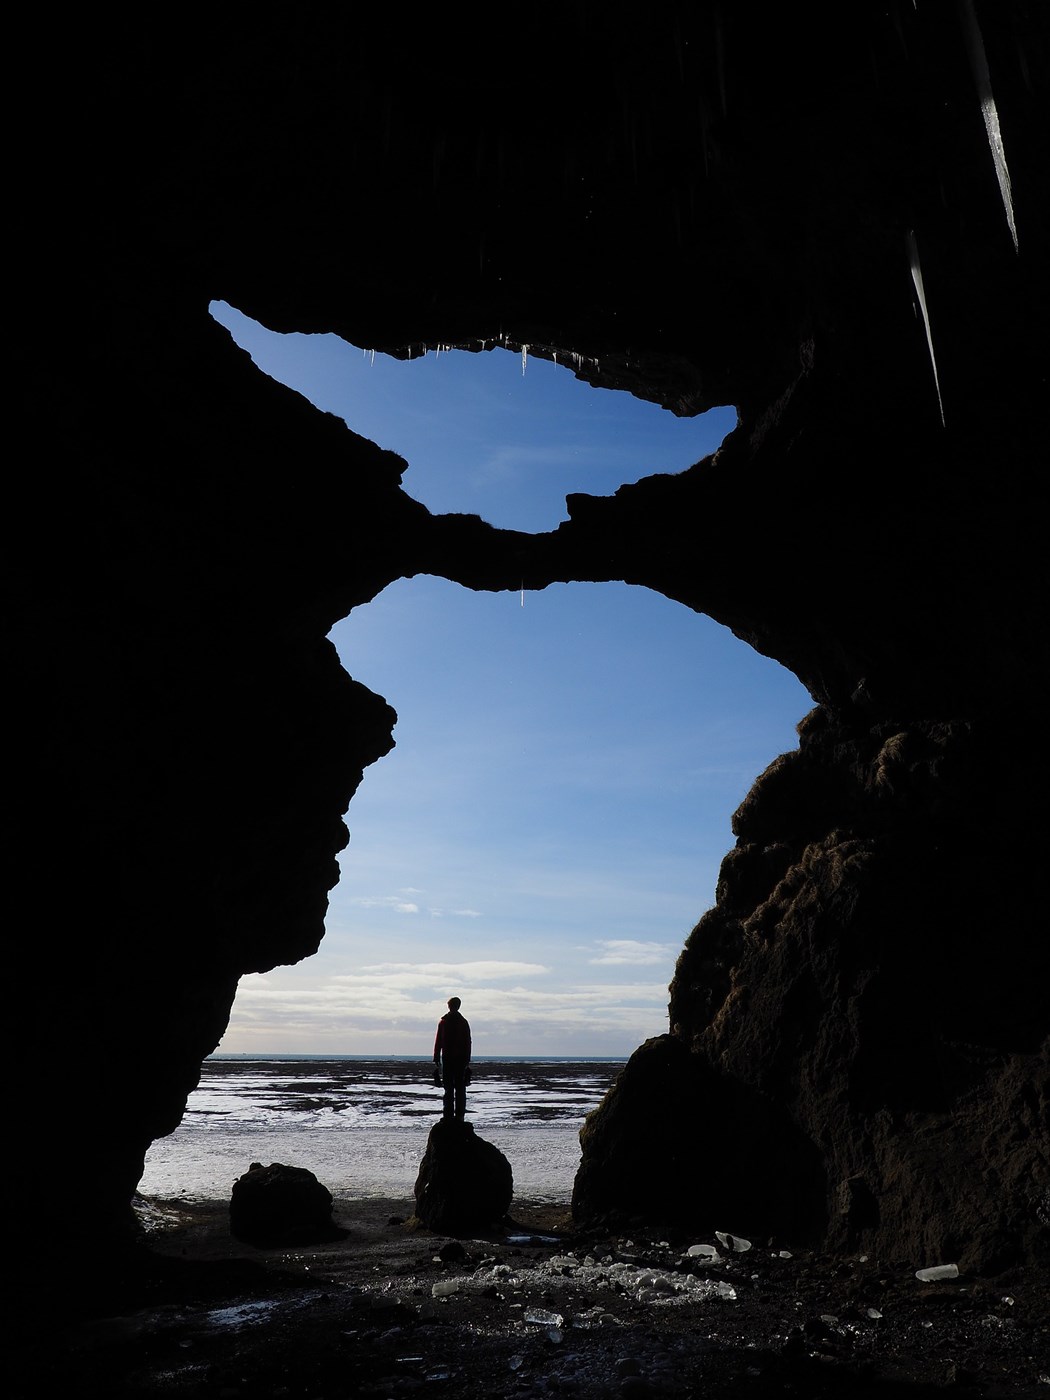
(536, 1307)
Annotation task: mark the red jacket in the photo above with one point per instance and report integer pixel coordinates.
(453, 1038)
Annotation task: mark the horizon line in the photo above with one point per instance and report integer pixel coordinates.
(376, 1055)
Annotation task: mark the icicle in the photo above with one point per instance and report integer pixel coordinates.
(524, 358)
(523, 593)
(720, 59)
(916, 277)
(983, 78)
(373, 359)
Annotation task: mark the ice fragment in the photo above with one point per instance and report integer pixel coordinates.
(736, 1243)
(542, 1318)
(701, 1251)
(938, 1271)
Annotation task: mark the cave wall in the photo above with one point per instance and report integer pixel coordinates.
(701, 204)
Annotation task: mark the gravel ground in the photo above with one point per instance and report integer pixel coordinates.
(537, 1309)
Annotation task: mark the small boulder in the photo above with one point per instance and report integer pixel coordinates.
(281, 1205)
(465, 1184)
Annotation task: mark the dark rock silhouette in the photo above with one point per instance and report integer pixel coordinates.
(734, 1156)
(465, 1184)
(711, 204)
(281, 1205)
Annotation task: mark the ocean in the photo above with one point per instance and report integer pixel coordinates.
(361, 1124)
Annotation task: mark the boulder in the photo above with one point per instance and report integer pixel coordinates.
(465, 1184)
(278, 1205)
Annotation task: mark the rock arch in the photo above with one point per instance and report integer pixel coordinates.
(713, 205)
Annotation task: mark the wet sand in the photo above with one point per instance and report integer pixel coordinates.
(537, 1308)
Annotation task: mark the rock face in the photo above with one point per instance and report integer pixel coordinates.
(465, 1184)
(860, 1068)
(281, 1205)
(703, 204)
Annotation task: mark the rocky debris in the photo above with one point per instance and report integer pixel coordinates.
(465, 1184)
(391, 1312)
(280, 1205)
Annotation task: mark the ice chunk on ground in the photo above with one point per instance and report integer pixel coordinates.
(542, 1318)
(701, 1251)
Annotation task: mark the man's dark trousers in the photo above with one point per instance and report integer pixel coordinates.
(454, 1078)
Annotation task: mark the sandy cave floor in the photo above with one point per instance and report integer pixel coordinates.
(535, 1309)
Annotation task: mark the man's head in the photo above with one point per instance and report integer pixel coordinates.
(453, 1003)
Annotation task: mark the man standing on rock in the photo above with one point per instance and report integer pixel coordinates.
(452, 1060)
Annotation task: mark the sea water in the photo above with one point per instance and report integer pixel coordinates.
(361, 1125)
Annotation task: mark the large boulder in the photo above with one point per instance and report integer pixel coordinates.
(279, 1205)
(681, 1145)
(465, 1184)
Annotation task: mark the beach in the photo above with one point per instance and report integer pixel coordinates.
(360, 1124)
(537, 1308)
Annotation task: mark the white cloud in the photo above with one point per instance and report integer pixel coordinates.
(630, 951)
(394, 1007)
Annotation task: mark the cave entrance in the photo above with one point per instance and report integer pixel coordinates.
(551, 822)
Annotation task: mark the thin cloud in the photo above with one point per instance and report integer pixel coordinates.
(398, 903)
(617, 951)
(438, 973)
(404, 903)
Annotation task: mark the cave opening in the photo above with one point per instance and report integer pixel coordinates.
(551, 821)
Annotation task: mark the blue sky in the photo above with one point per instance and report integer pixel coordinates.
(550, 824)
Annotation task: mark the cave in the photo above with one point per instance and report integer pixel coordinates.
(802, 214)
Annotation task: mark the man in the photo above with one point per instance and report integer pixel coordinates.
(452, 1060)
